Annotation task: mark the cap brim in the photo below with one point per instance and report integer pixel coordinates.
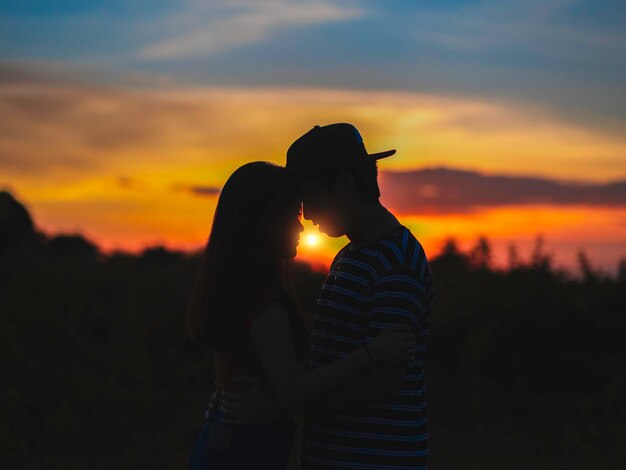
(379, 155)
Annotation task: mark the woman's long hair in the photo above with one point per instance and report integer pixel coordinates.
(234, 265)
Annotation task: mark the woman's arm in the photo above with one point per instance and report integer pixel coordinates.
(271, 335)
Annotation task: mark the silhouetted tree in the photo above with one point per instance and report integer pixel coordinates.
(16, 226)
(450, 247)
(96, 352)
(451, 257)
(480, 254)
(621, 271)
(539, 258)
(585, 267)
(72, 245)
(513, 257)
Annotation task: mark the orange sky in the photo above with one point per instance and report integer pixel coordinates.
(119, 165)
(600, 233)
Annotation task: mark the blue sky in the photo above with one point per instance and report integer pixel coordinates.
(567, 55)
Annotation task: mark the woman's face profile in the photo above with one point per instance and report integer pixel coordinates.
(284, 228)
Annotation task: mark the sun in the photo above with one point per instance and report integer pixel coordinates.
(312, 239)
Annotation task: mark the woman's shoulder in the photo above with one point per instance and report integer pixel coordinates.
(272, 316)
(260, 299)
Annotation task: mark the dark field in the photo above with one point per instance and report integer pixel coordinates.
(526, 366)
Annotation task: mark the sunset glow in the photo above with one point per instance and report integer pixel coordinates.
(312, 239)
(130, 144)
(155, 251)
(144, 189)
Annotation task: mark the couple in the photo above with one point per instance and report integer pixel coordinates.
(357, 377)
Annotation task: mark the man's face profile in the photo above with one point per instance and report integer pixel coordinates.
(321, 206)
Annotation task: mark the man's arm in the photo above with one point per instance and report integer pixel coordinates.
(375, 383)
(398, 297)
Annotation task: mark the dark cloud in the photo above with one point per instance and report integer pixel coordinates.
(124, 182)
(443, 190)
(127, 182)
(69, 129)
(16, 73)
(197, 190)
(204, 190)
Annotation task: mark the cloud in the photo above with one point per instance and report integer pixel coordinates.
(569, 55)
(197, 190)
(238, 24)
(125, 182)
(538, 25)
(133, 184)
(72, 132)
(449, 191)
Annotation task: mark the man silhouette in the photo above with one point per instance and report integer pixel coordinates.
(380, 278)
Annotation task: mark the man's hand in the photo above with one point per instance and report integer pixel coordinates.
(395, 345)
(212, 406)
(255, 405)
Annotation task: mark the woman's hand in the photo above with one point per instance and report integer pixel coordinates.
(213, 404)
(254, 405)
(395, 345)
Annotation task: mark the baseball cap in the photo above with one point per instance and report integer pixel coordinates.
(332, 147)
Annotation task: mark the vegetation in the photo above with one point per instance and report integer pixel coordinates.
(526, 365)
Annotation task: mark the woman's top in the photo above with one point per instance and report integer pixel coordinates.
(240, 357)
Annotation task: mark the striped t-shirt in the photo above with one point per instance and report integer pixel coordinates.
(366, 291)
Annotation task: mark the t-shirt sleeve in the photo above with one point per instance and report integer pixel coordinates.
(401, 296)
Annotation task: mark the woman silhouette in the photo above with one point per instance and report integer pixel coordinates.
(241, 310)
